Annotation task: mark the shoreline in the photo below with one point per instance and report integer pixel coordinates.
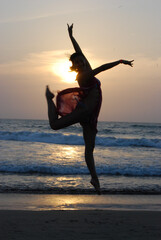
(70, 217)
(46, 202)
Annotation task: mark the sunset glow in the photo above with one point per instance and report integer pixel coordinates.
(35, 49)
(62, 69)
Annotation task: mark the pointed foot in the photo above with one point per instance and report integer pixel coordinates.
(96, 186)
(49, 94)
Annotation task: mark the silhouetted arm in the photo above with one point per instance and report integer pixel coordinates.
(111, 65)
(91, 73)
(75, 44)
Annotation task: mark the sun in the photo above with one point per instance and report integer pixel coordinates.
(62, 69)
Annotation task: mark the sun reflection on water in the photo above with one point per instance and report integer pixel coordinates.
(70, 153)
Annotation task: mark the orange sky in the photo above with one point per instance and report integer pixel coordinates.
(34, 40)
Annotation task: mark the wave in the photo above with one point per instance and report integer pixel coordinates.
(56, 138)
(148, 125)
(113, 170)
(74, 139)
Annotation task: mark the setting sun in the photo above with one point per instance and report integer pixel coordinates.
(62, 69)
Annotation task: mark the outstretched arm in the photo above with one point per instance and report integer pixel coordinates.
(104, 67)
(111, 65)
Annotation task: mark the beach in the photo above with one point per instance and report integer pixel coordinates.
(45, 190)
(41, 216)
(87, 224)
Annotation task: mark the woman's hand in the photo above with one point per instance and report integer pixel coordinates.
(130, 63)
(70, 30)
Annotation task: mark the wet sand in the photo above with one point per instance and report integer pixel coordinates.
(39, 202)
(63, 217)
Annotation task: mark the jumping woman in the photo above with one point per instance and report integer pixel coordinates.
(88, 103)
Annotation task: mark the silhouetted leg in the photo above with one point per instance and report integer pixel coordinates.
(58, 123)
(89, 135)
(52, 112)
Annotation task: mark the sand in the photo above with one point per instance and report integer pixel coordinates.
(63, 217)
(80, 224)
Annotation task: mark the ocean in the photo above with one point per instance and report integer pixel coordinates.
(36, 159)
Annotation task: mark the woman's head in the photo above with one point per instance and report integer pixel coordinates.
(79, 62)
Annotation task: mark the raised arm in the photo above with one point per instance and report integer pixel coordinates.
(74, 42)
(111, 65)
(76, 45)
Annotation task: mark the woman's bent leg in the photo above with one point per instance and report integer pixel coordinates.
(52, 112)
(89, 135)
(58, 123)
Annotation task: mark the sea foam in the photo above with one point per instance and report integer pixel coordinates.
(74, 139)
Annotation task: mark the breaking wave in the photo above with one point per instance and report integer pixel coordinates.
(74, 139)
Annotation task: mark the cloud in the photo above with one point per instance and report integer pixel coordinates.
(24, 19)
(33, 63)
(36, 16)
(39, 63)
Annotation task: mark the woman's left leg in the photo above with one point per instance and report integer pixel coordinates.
(89, 135)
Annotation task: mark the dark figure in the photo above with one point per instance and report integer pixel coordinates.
(87, 110)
